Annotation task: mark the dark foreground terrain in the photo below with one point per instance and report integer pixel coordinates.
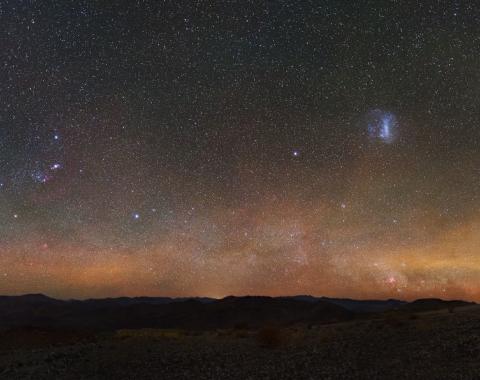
(390, 345)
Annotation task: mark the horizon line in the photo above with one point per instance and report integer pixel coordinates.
(239, 296)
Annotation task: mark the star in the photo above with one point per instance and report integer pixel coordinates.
(258, 135)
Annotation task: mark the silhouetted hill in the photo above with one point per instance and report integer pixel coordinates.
(256, 311)
(27, 299)
(428, 304)
(366, 306)
(36, 310)
(357, 306)
(127, 301)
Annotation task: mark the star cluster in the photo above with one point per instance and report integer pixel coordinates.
(254, 147)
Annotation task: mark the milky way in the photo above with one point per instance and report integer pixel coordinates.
(213, 148)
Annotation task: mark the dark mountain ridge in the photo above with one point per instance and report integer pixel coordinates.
(37, 310)
(357, 306)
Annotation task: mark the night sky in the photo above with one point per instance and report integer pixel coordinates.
(188, 148)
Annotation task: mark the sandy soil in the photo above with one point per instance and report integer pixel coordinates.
(417, 346)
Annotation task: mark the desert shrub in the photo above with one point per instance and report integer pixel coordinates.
(271, 337)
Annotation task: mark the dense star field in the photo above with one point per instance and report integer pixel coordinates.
(254, 147)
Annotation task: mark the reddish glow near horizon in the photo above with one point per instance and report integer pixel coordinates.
(274, 250)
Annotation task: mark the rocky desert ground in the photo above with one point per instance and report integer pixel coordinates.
(428, 345)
